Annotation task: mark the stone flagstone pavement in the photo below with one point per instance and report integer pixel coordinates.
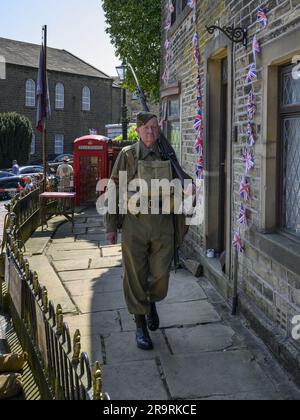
(201, 352)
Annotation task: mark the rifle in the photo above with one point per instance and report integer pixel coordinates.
(166, 149)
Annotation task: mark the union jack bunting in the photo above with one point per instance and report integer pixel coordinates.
(245, 190)
(251, 107)
(262, 17)
(237, 242)
(255, 47)
(200, 166)
(165, 76)
(252, 74)
(198, 122)
(192, 3)
(199, 144)
(248, 160)
(251, 134)
(243, 216)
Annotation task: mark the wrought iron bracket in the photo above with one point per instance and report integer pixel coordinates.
(236, 35)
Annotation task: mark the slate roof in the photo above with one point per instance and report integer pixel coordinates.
(25, 54)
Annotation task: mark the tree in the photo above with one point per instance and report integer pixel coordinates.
(135, 30)
(15, 139)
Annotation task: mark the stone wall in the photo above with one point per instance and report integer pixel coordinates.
(72, 122)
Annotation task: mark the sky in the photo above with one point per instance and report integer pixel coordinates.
(77, 26)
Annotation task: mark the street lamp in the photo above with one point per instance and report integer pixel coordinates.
(121, 70)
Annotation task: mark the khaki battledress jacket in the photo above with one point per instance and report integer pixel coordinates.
(147, 240)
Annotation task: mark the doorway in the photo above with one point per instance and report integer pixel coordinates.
(223, 158)
(218, 214)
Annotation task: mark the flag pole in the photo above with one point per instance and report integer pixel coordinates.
(45, 108)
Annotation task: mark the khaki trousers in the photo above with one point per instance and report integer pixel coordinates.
(148, 249)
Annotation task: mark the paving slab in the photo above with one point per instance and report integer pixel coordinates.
(96, 219)
(127, 321)
(79, 219)
(134, 381)
(92, 346)
(202, 338)
(248, 396)
(100, 323)
(100, 302)
(98, 230)
(111, 251)
(106, 262)
(51, 281)
(188, 313)
(37, 245)
(66, 240)
(94, 286)
(128, 351)
(215, 374)
(73, 246)
(92, 275)
(92, 237)
(180, 291)
(60, 234)
(74, 255)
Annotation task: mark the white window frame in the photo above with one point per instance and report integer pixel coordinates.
(59, 144)
(33, 141)
(30, 93)
(59, 96)
(86, 99)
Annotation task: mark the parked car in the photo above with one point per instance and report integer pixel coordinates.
(60, 158)
(31, 170)
(4, 174)
(12, 183)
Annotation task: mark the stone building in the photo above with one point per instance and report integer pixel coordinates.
(82, 97)
(269, 269)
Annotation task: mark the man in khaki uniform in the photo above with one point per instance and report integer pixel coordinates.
(147, 240)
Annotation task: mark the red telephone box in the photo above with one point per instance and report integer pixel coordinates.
(91, 164)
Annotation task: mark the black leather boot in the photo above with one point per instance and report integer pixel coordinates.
(143, 339)
(153, 319)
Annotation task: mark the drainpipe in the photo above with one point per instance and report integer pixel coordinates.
(233, 255)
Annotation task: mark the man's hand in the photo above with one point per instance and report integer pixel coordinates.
(112, 238)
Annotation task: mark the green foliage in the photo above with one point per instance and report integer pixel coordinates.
(135, 30)
(132, 135)
(15, 139)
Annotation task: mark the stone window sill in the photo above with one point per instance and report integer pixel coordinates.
(279, 248)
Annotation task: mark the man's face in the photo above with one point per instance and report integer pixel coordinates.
(149, 132)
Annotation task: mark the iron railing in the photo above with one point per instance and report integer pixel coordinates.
(62, 371)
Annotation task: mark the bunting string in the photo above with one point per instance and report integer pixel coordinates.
(247, 154)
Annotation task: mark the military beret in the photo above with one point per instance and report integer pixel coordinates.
(144, 117)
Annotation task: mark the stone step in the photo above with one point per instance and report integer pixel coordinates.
(49, 279)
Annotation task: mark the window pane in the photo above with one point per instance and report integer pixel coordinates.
(59, 144)
(291, 139)
(59, 96)
(32, 152)
(174, 138)
(86, 99)
(30, 93)
(290, 90)
(174, 108)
